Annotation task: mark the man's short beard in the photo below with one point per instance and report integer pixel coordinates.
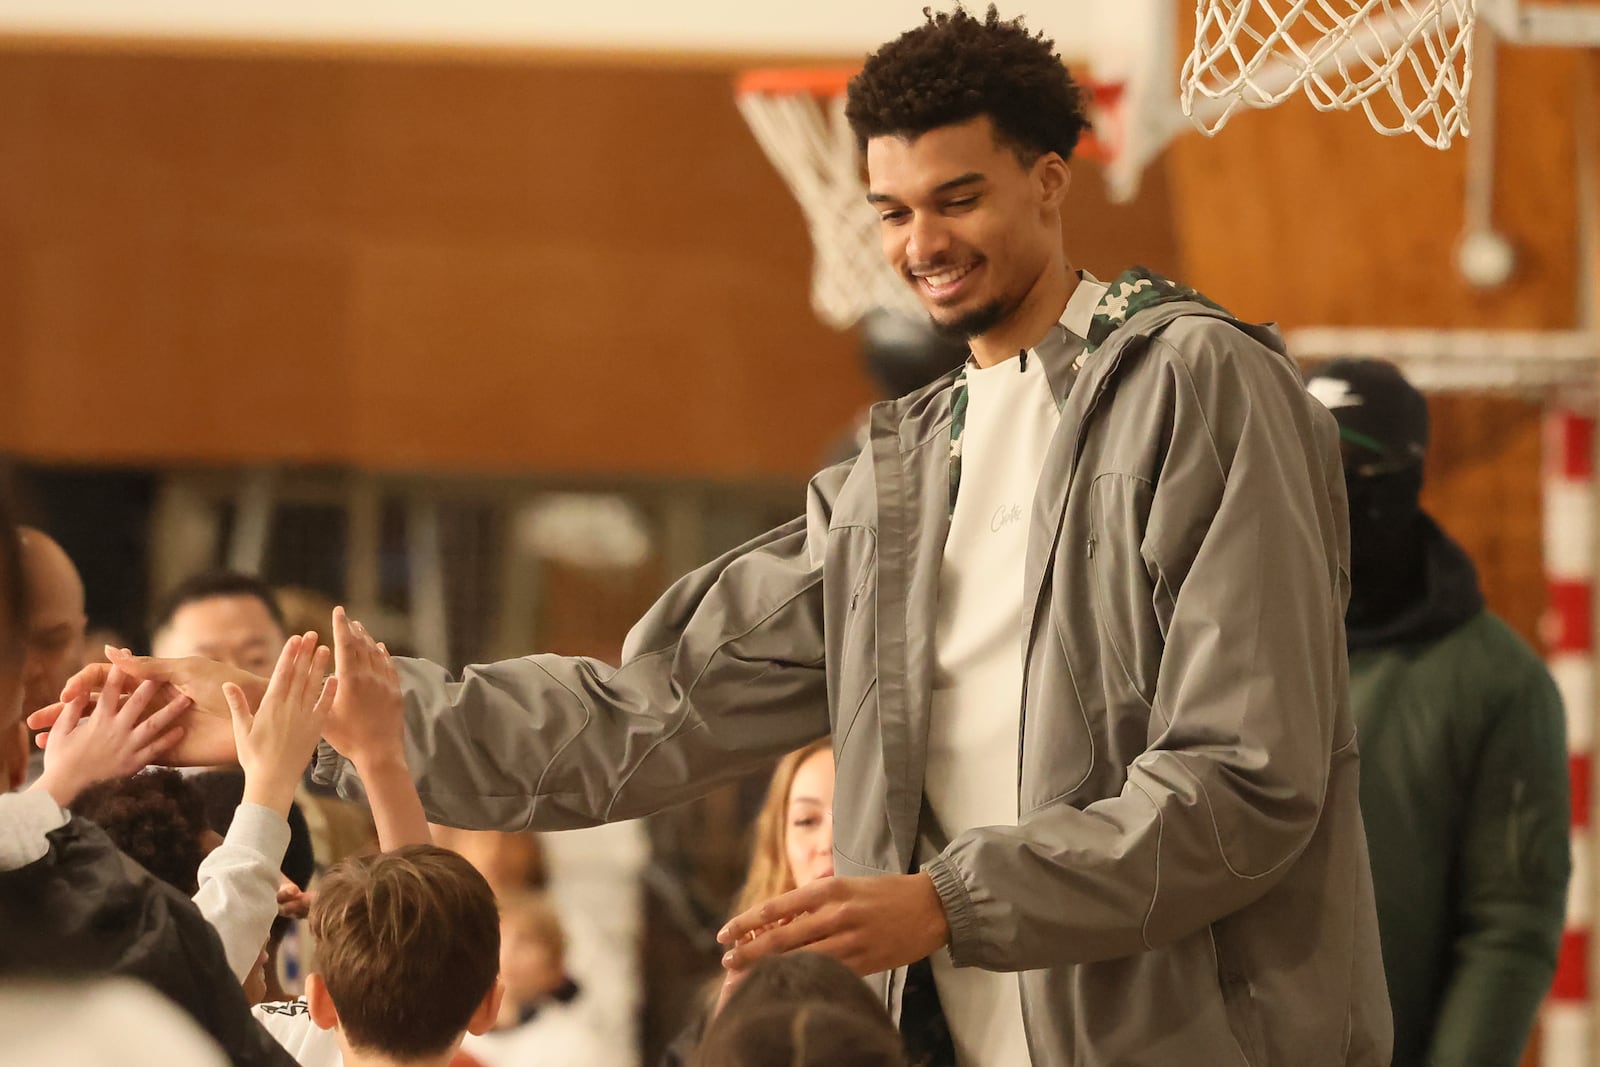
(974, 323)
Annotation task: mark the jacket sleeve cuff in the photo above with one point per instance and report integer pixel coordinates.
(333, 770)
(958, 910)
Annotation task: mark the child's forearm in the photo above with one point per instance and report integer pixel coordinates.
(239, 883)
(396, 808)
(275, 792)
(60, 786)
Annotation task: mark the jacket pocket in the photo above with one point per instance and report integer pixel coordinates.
(850, 617)
(859, 802)
(1123, 590)
(860, 799)
(857, 677)
(860, 825)
(1244, 1020)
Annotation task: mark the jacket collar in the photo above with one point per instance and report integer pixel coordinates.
(1064, 349)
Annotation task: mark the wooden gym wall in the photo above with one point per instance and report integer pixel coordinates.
(1314, 219)
(581, 264)
(557, 263)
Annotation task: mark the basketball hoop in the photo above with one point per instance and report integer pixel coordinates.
(798, 118)
(1406, 63)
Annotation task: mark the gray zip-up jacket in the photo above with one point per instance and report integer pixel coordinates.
(1188, 881)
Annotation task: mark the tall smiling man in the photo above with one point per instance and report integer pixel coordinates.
(1073, 620)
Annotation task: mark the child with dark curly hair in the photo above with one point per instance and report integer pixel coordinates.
(157, 819)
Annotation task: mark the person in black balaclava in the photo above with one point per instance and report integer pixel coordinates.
(1463, 752)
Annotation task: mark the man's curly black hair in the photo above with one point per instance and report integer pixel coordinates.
(954, 68)
(156, 817)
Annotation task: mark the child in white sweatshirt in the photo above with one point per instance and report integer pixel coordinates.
(158, 818)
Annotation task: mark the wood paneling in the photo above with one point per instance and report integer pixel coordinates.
(1312, 219)
(457, 262)
(1483, 485)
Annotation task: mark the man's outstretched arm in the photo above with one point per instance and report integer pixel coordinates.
(724, 673)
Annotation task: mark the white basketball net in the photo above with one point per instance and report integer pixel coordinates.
(1404, 62)
(810, 143)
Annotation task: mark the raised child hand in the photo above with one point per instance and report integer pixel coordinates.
(368, 727)
(277, 740)
(367, 724)
(116, 740)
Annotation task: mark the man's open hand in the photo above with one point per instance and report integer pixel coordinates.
(869, 924)
(207, 739)
(123, 734)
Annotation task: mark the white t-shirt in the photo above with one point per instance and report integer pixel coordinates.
(974, 732)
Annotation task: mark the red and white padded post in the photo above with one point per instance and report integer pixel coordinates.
(1567, 1034)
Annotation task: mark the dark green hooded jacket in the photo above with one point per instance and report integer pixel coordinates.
(1465, 797)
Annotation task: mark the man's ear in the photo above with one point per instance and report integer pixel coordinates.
(483, 1019)
(1055, 178)
(320, 1004)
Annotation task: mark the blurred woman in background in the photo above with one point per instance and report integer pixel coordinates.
(794, 828)
(793, 847)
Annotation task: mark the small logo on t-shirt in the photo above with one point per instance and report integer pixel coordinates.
(1004, 516)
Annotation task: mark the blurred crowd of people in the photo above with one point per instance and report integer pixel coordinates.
(263, 906)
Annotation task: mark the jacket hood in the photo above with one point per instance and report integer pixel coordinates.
(1450, 598)
(1138, 304)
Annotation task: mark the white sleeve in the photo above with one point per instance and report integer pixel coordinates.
(239, 884)
(25, 818)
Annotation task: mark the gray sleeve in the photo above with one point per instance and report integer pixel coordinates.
(725, 672)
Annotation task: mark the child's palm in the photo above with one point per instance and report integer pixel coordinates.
(368, 715)
(277, 740)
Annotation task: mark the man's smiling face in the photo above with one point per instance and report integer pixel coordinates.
(963, 221)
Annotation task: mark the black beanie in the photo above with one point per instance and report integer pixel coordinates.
(1375, 406)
